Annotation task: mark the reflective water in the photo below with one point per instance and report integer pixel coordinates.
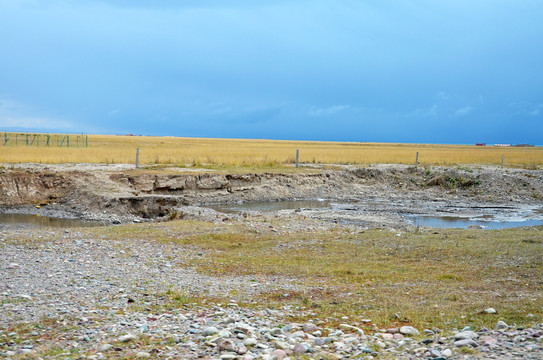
(25, 221)
(272, 206)
(464, 223)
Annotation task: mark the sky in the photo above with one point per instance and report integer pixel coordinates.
(414, 71)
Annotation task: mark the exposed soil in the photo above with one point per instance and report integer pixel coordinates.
(379, 193)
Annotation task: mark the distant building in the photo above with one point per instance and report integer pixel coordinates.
(502, 145)
(480, 144)
(524, 145)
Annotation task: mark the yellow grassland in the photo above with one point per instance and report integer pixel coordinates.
(265, 153)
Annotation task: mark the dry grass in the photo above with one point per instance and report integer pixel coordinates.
(441, 278)
(264, 153)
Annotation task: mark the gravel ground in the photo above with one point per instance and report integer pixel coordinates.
(71, 297)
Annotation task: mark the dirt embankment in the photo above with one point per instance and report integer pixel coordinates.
(128, 195)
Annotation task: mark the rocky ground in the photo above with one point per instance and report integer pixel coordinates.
(67, 296)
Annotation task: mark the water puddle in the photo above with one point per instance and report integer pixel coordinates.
(484, 222)
(462, 216)
(271, 206)
(27, 221)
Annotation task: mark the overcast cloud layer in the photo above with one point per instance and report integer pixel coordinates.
(389, 70)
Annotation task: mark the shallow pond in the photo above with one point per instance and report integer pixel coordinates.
(485, 222)
(26, 221)
(271, 206)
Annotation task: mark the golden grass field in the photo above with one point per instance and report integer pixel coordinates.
(261, 153)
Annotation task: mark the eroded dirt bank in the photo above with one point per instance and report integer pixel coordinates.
(119, 194)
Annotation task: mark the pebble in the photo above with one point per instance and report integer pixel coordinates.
(465, 342)
(466, 335)
(300, 348)
(347, 327)
(211, 330)
(127, 338)
(409, 331)
(501, 325)
(279, 354)
(490, 311)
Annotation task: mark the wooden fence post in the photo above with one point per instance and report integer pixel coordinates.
(297, 156)
(137, 157)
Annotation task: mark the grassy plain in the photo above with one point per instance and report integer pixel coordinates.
(426, 278)
(228, 153)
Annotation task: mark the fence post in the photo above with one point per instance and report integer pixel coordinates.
(417, 160)
(297, 156)
(502, 159)
(5, 139)
(137, 157)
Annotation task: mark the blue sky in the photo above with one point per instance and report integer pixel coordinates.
(387, 71)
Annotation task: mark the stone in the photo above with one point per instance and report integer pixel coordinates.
(250, 342)
(279, 354)
(300, 348)
(318, 342)
(409, 331)
(281, 345)
(501, 325)
(242, 350)
(387, 336)
(224, 334)
(143, 355)
(447, 353)
(466, 335)
(127, 338)
(105, 347)
(434, 353)
(348, 327)
(211, 330)
(465, 342)
(489, 311)
(309, 327)
(228, 356)
(488, 341)
(226, 345)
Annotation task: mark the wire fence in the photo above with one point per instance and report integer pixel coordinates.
(44, 140)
